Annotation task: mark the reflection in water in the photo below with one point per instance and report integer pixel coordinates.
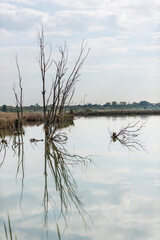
(121, 191)
(4, 143)
(8, 230)
(18, 149)
(17, 145)
(3, 146)
(59, 164)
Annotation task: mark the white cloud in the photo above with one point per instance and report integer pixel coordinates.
(157, 183)
(107, 44)
(26, 2)
(96, 68)
(125, 183)
(150, 48)
(15, 48)
(119, 50)
(125, 14)
(119, 33)
(96, 28)
(156, 35)
(122, 170)
(7, 6)
(4, 34)
(14, 18)
(81, 4)
(152, 171)
(106, 4)
(80, 16)
(80, 20)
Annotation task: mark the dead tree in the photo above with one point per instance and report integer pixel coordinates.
(127, 136)
(63, 85)
(45, 63)
(19, 101)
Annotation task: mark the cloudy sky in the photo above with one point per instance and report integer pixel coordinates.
(124, 36)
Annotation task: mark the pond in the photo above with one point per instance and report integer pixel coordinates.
(89, 188)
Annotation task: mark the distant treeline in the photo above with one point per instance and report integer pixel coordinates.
(91, 107)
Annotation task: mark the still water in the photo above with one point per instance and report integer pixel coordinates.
(90, 189)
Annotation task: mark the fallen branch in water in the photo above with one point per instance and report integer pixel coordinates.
(127, 135)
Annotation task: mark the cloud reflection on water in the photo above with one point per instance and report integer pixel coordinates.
(120, 191)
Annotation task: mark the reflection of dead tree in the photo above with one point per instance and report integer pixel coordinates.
(63, 85)
(8, 230)
(18, 148)
(60, 162)
(127, 136)
(19, 102)
(3, 146)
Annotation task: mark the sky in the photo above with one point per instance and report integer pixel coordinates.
(123, 35)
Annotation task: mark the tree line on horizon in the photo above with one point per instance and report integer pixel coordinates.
(106, 106)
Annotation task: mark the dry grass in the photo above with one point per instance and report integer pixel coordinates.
(33, 117)
(8, 116)
(7, 119)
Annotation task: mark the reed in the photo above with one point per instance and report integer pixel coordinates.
(33, 117)
(7, 120)
(8, 231)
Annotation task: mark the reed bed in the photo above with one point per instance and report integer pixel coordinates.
(7, 119)
(33, 117)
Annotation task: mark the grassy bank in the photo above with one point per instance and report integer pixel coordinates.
(7, 119)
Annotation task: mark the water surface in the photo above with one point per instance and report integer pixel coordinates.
(119, 188)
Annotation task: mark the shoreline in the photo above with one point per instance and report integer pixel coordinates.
(119, 113)
(7, 122)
